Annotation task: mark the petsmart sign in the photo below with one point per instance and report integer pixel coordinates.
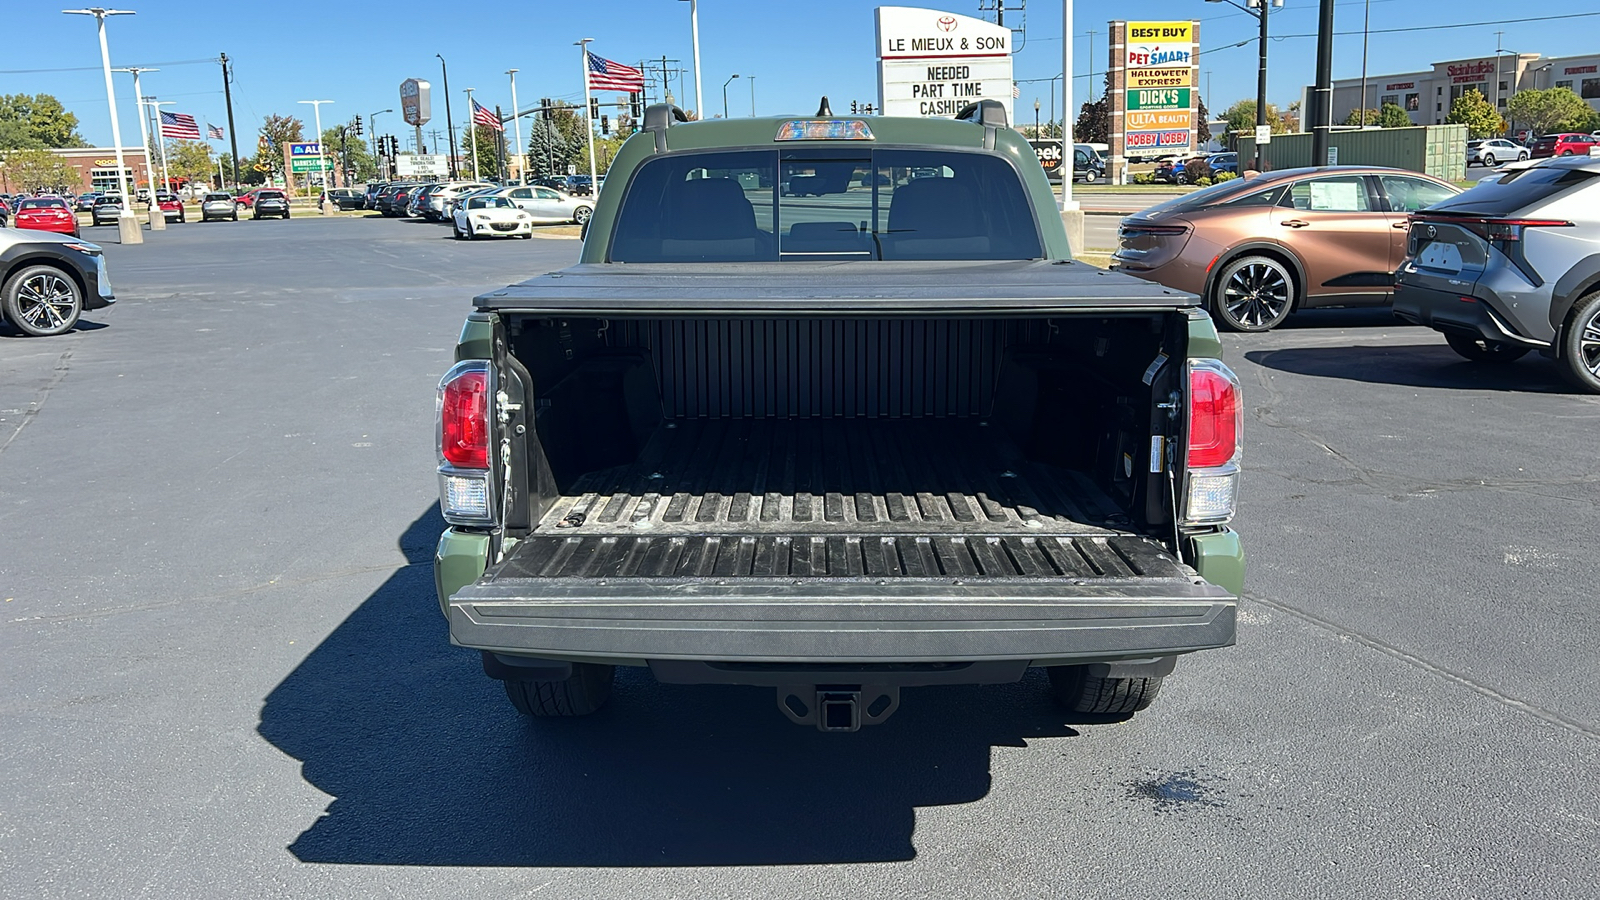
(933, 63)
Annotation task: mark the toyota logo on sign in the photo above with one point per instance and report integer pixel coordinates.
(947, 23)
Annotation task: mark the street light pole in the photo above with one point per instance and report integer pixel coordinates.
(516, 122)
(725, 95)
(157, 222)
(472, 131)
(373, 141)
(752, 80)
(694, 28)
(161, 135)
(450, 123)
(322, 166)
(127, 225)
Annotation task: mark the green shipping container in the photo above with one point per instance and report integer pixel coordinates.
(1438, 150)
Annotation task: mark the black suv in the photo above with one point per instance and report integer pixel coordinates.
(270, 203)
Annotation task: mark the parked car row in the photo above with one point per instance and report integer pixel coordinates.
(480, 208)
(1183, 169)
(1510, 266)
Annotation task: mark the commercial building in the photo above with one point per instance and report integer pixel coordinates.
(97, 168)
(1426, 95)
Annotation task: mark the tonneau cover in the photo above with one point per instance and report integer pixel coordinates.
(1020, 287)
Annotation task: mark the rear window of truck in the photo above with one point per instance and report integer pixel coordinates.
(827, 204)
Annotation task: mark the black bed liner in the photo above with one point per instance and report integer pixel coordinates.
(838, 288)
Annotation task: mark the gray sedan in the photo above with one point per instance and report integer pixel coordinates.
(549, 205)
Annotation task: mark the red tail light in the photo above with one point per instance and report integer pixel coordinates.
(1216, 415)
(1493, 230)
(464, 418)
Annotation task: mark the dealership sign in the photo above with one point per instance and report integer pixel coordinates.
(416, 105)
(933, 63)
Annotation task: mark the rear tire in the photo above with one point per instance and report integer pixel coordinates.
(1081, 692)
(584, 692)
(1579, 352)
(1482, 350)
(1488, 160)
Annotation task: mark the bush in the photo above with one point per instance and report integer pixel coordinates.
(1144, 178)
(1197, 169)
(1225, 176)
(1203, 181)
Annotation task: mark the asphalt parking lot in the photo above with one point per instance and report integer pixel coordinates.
(226, 674)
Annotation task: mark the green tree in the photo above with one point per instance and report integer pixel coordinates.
(1241, 119)
(34, 169)
(487, 142)
(1389, 116)
(1202, 123)
(36, 121)
(1094, 122)
(349, 155)
(574, 137)
(275, 133)
(1556, 109)
(1474, 110)
(547, 150)
(191, 161)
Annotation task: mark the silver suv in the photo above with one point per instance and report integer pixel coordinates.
(1512, 266)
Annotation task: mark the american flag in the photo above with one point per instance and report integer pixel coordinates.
(1016, 91)
(179, 127)
(213, 132)
(482, 116)
(605, 75)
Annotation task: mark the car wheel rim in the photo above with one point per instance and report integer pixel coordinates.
(46, 301)
(1589, 345)
(1256, 295)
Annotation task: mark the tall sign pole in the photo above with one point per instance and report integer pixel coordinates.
(588, 121)
(1065, 167)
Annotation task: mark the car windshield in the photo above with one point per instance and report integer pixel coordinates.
(819, 204)
(42, 203)
(489, 203)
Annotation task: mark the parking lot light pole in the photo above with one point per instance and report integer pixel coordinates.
(322, 166)
(158, 222)
(725, 94)
(127, 225)
(694, 30)
(161, 135)
(450, 125)
(516, 122)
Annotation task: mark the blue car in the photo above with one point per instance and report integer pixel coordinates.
(1223, 162)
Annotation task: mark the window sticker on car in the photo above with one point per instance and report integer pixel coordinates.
(1335, 195)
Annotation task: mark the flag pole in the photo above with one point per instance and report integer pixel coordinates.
(594, 182)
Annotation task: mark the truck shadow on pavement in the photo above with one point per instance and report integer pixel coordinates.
(1423, 365)
(429, 765)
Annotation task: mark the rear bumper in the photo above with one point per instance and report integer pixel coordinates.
(1458, 312)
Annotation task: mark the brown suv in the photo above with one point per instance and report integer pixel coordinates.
(1261, 248)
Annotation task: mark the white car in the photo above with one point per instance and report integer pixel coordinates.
(549, 205)
(438, 208)
(491, 216)
(1494, 151)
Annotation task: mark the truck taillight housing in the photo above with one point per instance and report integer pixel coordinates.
(1216, 425)
(465, 477)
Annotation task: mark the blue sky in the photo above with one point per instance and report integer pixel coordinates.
(357, 52)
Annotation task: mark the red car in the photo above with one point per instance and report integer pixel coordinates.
(46, 214)
(171, 206)
(1562, 145)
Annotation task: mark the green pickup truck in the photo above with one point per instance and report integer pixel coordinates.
(826, 407)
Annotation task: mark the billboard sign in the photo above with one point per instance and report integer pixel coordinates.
(933, 63)
(1049, 153)
(304, 149)
(1154, 69)
(300, 164)
(410, 164)
(416, 105)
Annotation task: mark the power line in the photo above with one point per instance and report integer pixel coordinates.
(181, 62)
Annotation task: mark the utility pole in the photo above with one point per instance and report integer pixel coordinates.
(1322, 95)
(233, 133)
(500, 143)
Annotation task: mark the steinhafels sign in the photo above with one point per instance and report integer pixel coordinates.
(933, 63)
(1470, 73)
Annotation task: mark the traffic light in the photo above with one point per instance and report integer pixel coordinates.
(853, 107)
(359, 132)
(633, 106)
(605, 125)
(594, 108)
(544, 108)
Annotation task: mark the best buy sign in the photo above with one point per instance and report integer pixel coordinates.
(1158, 98)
